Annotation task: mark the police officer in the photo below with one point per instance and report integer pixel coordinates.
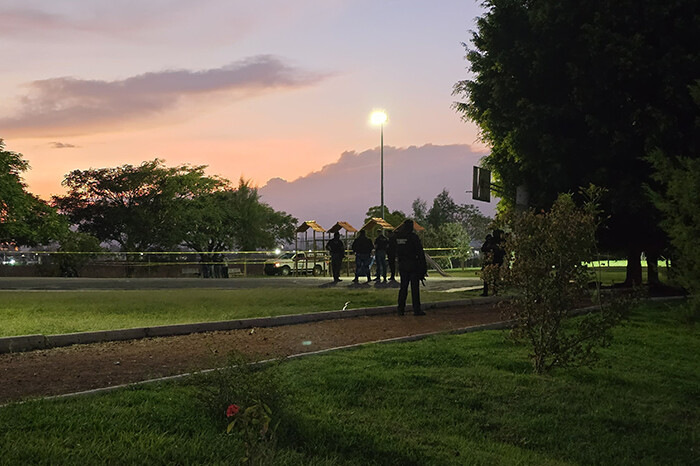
(493, 252)
(486, 261)
(362, 247)
(391, 257)
(412, 265)
(337, 251)
(380, 248)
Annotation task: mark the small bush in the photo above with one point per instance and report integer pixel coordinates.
(76, 251)
(549, 279)
(246, 399)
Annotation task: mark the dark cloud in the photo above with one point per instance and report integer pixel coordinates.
(62, 145)
(344, 190)
(72, 106)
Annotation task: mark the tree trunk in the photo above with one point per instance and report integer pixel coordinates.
(634, 268)
(653, 269)
(206, 268)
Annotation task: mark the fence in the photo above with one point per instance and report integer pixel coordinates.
(133, 264)
(173, 264)
(177, 264)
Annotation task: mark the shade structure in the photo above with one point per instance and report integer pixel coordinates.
(417, 227)
(342, 226)
(313, 252)
(310, 224)
(381, 223)
(377, 222)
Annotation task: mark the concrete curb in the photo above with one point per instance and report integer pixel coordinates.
(39, 341)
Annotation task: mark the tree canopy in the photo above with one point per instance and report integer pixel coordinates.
(154, 207)
(444, 210)
(134, 206)
(572, 93)
(25, 220)
(234, 219)
(678, 199)
(394, 218)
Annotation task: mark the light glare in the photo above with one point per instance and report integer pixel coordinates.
(378, 118)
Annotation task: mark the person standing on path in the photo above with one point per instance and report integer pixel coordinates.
(412, 265)
(337, 250)
(391, 257)
(362, 247)
(486, 261)
(493, 253)
(380, 247)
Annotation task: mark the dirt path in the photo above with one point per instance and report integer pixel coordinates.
(84, 367)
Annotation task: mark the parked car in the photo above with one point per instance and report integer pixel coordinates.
(290, 262)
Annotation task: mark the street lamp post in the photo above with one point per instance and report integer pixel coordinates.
(379, 118)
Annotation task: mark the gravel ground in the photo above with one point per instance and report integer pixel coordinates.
(85, 367)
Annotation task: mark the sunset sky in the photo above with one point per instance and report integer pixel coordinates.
(261, 89)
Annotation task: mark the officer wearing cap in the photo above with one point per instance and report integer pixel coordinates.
(412, 265)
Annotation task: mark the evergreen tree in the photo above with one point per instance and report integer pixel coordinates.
(571, 93)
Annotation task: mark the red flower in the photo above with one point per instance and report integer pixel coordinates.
(232, 410)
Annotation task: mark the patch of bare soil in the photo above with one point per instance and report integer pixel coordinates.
(84, 367)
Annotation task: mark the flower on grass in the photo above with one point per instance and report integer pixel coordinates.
(232, 410)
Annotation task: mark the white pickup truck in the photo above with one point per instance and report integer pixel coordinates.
(299, 262)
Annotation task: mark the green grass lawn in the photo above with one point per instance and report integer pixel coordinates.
(52, 312)
(448, 400)
(604, 274)
(468, 272)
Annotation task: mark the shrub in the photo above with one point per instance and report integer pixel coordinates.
(249, 399)
(76, 250)
(549, 279)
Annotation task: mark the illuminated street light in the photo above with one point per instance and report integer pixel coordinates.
(379, 118)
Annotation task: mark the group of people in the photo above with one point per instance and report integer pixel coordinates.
(384, 257)
(384, 254)
(403, 244)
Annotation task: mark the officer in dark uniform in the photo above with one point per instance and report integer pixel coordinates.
(362, 247)
(380, 246)
(412, 265)
(391, 257)
(493, 252)
(486, 260)
(337, 251)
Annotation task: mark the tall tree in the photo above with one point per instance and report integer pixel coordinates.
(678, 199)
(134, 206)
(232, 219)
(256, 224)
(474, 222)
(25, 220)
(444, 210)
(572, 93)
(154, 207)
(420, 211)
